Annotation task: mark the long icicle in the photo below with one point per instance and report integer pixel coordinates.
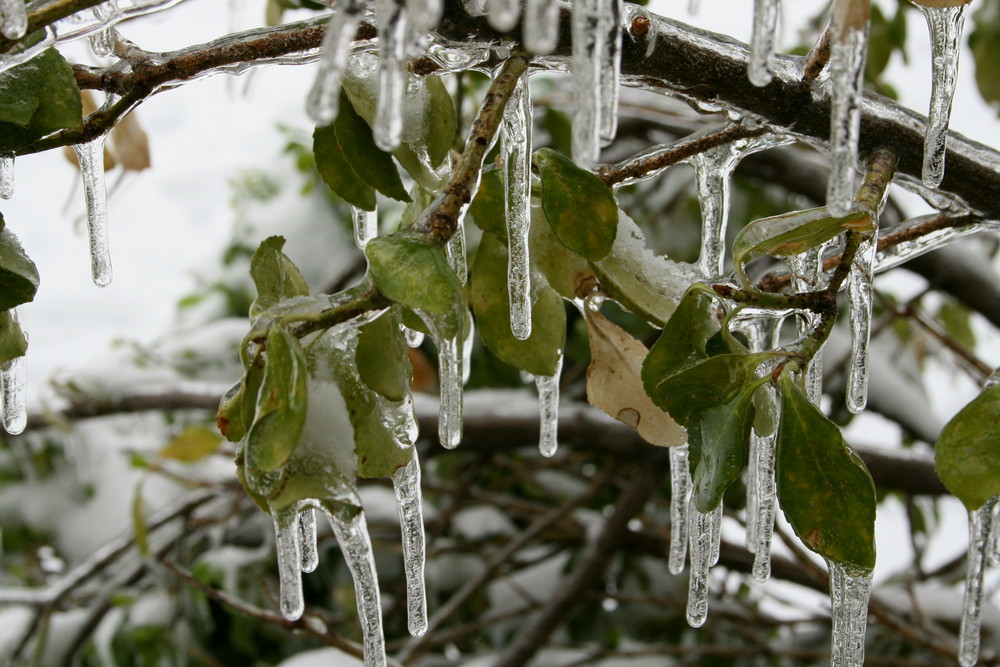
(307, 539)
(392, 70)
(700, 526)
(540, 26)
(850, 591)
(980, 522)
(324, 97)
(14, 380)
(765, 24)
(90, 155)
(6, 176)
(450, 369)
(610, 68)
(515, 147)
(859, 296)
(588, 47)
(548, 407)
(680, 491)
(945, 25)
(289, 549)
(406, 483)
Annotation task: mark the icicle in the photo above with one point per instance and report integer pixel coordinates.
(6, 176)
(975, 564)
(515, 146)
(324, 97)
(451, 375)
(14, 378)
(91, 158)
(763, 482)
(859, 294)
(805, 270)
(391, 84)
(365, 225)
(715, 535)
(849, 594)
(352, 534)
(406, 482)
(713, 169)
(588, 55)
(13, 18)
(503, 14)
(424, 14)
(701, 552)
(847, 65)
(680, 490)
(548, 404)
(945, 25)
(307, 539)
(611, 66)
(765, 24)
(540, 26)
(289, 548)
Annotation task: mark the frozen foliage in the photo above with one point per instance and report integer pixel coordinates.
(850, 590)
(515, 146)
(91, 158)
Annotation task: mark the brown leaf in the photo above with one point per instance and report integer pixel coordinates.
(130, 144)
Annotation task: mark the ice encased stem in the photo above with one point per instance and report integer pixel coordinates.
(90, 155)
(589, 45)
(945, 25)
(680, 492)
(540, 27)
(847, 65)
(548, 407)
(980, 523)
(365, 225)
(701, 535)
(6, 176)
(850, 590)
(859, 295)
(406, 483)
(765, 23)
(14, 394)
(289, 548)
(515, 147)
(13, 18)
(324, 96)
(388, 127)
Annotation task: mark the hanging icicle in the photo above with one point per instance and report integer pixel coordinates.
(307, 539)
(540, 26)
(980, 522)
(324, 97)
(406, 483)
(503, 14)
(515, 147)
(14, 394)
(700, 526)
(6, 176)
(945, 25)
(13, 18)
(765, 25)
(548, 406)
(610, 68)
(388, 127)
(850, 591)
(859, 295)
(588, 56)
(680, 492)
(91, 158)
(365, 225)
(289, 550)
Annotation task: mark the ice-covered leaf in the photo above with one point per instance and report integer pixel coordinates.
(18, 275)
(281, 403)
(614, 383)
(229, 418)
(382, 359)
(420, 200)
(487, 209)
(275, 275)
(13, 342)
(564, 270)
(337, 172)
(967, 453)
(192, 444)
(683, 339)
(541, 352)
(373, 165)
(37, 97)
(825, 490)
(579, 206)
(412, 273)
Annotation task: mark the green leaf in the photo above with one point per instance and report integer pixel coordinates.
(957, 321)
(541, 352)
(420, 200)
(579, 206)
(229, 418)
(488, 209)
(18, 274)
(967, 453)
(191, 445)
(564, 270)
(382, 358)
(37, 97)
(413, 273)
(336, 170)
(275, 275)
(824, 489)
(13, 342)
(373, 165)
(139, 526)
(281, 403)
(984, 40)
(683, 338)
(794, 233)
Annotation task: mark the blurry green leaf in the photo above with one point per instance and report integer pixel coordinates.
(138, 512)
(373, 165)
(823, 487)
(579, 206)
(967, 453)
(335, 168)
(275, 275)
(984, 40)
(541, 352)
(382, 359)
(683, 339)
(13, 342)
(413, 273)
(18, 275)
(37, 97)
(488, 209)
(957, 321)
(192, 444)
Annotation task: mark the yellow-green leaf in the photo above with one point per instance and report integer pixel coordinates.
(192, 444)
(18, 274)
(382, 359)
(275, 275)
(580, 208)
(967, 453)
(412, 273)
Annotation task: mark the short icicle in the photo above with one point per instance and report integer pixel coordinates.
(945, 25)
(610, 68)
(540, 26)
(859, 295)
(588, 47)
(847, 65)
(289, 548)
(14, 378)
(365, 225)
(356, 545)
(388, 127)
(91, 158)
(515, 147)
(6, 176)
(765, 24)
(307, 538)
(503, 14)
(13, 18)
(406, 483)
(548, 407)
(700, 526)
(680, 491)
(324, 97)
(980, 522)
(850, 590)
(451, 367)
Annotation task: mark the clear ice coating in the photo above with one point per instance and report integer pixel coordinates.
(859, 296)
(6, 176)
(847, 65)
(610, 68)
(13, 18)
(388, 127)
(765, 24)
(307, 539)
(451, 372)
(365, 225)
(850, 590)
(515, 147)
(589, 45)
(713, 169)
(14, 393)
(413, 337)
(700, 526)
(289, 548)
(680, 491)
(548, 408)
(406, 483)
(102, 42)
(945, 25)
(980, 523)
(762, 449)
(715, 536)
(455, 252)
(91, 158)
(324, 97)
(503, 14)
(540, 27)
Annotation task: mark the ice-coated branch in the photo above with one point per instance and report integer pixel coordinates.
(48, 14)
